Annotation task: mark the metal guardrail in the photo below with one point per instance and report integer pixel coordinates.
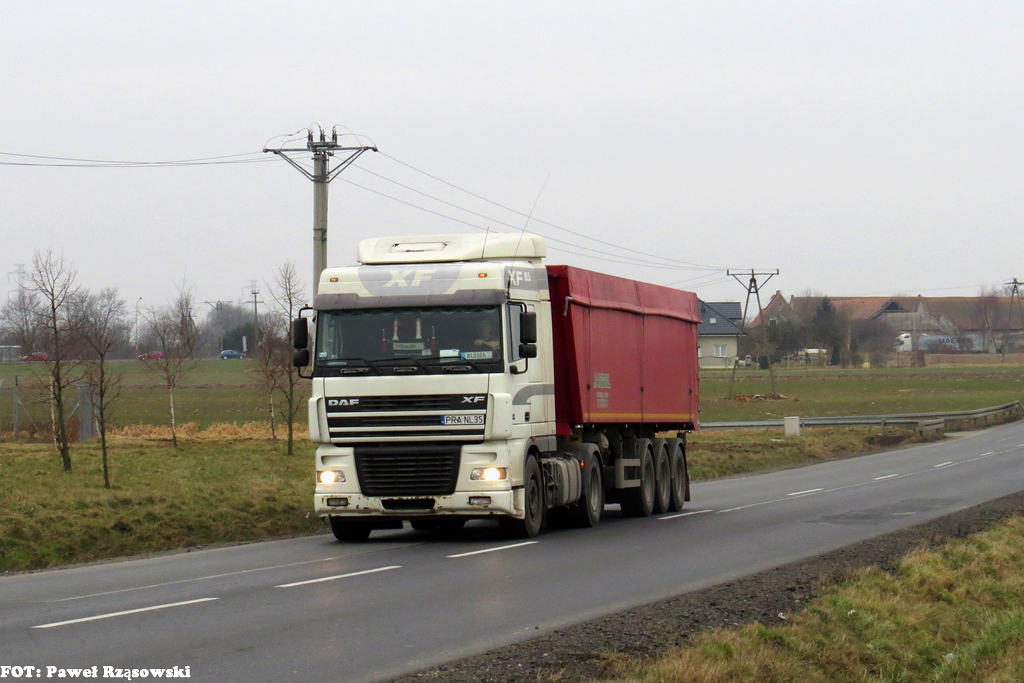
(915, 419)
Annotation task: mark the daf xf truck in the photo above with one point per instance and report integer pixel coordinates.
(456, 377)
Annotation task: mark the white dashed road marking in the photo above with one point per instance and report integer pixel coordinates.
(128, 611)
(685, 514)
(492, 550)
(339, 576)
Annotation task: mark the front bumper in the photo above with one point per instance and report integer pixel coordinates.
(502, 503)
(345, 498)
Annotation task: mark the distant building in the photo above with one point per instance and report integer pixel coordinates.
(721, 324)
(959, 323)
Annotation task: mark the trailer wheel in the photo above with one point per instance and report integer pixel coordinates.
(349, 530)
(680, 477)
(588, 510)
(533, 501)
(663, 476)
(638, 501)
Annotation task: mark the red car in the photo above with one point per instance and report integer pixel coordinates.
(36, 356)
(151, 355)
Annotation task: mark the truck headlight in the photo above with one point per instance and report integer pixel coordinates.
(331, 477)
(488, 474)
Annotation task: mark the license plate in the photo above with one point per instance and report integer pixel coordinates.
(463, 420)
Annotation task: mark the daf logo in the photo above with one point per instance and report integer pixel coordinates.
(334, 402)
(473, 399)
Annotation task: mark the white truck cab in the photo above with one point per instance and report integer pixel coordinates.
(426, 394)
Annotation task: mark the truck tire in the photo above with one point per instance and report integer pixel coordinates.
(680, 476)
(349, 530)
(533, 501)
(588, 511)
(639, 500)
(662, 476)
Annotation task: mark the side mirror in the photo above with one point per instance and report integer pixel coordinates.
(300, 337)
(300, 358)
(528, 330)
(528, 350)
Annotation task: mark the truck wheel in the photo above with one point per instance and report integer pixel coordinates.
(349, 530)
(663, 476)
(680, 477)
(588, 510)
(639, 501)
(533, 499)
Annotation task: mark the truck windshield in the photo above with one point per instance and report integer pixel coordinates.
(424, 338)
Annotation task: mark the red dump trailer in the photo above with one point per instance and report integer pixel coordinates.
(625, 352)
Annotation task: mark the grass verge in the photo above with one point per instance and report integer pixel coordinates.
(949, 614)
(208, 491)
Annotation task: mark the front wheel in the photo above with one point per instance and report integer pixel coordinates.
(349, 530)
(533, 501)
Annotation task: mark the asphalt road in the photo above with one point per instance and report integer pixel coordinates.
(313, 609)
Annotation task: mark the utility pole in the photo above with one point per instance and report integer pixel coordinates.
(322, 174)
(753, 287)
(254, 293)
(19, 277)
(218, 306)
(1014, 286)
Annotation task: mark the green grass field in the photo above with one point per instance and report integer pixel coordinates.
(828, 391)
(213, 391)
(216, 391)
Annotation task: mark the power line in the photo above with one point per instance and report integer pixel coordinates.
(549, 224)
(635, 261)
(73, 162)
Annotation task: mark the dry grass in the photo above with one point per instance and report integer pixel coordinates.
(951, 614)
(221, 431)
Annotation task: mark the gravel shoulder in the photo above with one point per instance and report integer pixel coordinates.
(598, 648)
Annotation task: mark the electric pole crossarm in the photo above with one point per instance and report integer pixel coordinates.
(321, 176)
(348, 162)
(281, 153)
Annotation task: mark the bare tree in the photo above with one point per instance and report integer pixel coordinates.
(21, 315)
(177, 338)
(104, 325)
(269, 353)
(52, 283)
(287, 293)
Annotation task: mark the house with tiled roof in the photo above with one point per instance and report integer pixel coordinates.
(718, 335)
(982, 319)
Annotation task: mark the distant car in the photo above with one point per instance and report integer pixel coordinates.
(36, 356)
(231, 354)
(151, 355)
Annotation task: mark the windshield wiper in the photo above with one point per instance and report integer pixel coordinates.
(458, 359)
(417, 361)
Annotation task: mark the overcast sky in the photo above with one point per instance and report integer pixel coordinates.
(858, 147)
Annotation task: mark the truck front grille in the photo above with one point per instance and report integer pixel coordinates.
(372, 419)
(401, 469)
